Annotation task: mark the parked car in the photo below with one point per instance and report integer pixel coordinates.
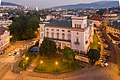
(12, 53)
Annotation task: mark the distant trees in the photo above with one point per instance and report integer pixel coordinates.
(48, 48)
(24, 27)
(93, 55)
(101, 11)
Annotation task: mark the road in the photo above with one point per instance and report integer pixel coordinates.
(6, 60)
(115, 53)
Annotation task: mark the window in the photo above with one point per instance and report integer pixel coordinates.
(75, 25)
(86, 42)
(47, 29)
(77, 33)
(63, 36)
(63, 30)
(68, 30)
(57, 35)
(47, 35)
(77, 40)
(69, 36)
(79, 25)
(57, 29)
(52, 35)
(52, 29)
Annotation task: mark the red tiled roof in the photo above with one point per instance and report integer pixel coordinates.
(95, 17)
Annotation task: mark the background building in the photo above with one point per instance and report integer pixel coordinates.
(5, 23)
(4, 38)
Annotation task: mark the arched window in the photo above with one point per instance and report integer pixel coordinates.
(47, 35)
(52, 35)
(77, 40)
(57, 35)
(63, 36)
(69, 36)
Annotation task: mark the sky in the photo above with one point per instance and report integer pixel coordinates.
(49, 3)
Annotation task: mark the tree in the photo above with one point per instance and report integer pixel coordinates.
(101, 11)
(48, 48)
(24, 27)
(93, 55)
(68, 54)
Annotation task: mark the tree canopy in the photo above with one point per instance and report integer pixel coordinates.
(24, 27)
(101, 11)
(93, 55)
(48, 48)
(68, 54)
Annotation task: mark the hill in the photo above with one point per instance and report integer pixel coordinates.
(10, 4)
(100, 4)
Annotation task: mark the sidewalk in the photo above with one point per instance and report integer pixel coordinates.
(28, 73)
(34, 64)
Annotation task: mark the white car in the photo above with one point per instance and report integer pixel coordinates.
(12, 53)
(106, 64)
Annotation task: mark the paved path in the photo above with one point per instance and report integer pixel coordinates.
(34, 64)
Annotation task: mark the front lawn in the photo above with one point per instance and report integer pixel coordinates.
(55, 65)
(95, 44)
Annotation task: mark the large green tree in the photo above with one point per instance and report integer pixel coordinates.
(93, 55)
(68, 54)
(24, 27)
(48, 48)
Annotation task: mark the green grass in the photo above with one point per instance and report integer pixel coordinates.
(95, 44)
(49, 66)
(26, 62)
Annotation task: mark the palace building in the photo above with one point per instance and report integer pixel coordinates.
(76, 33)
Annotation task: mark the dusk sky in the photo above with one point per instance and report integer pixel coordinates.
(49, 3)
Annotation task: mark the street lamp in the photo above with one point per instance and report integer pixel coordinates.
(56, 63)
(11, 36)
(98, 42)
(41, 62)
(26, 59)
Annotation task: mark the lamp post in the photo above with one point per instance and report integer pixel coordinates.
(56, 63)
(26, 59)
(41, 62)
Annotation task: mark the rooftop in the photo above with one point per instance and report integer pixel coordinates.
(95, 17)
(60, 23)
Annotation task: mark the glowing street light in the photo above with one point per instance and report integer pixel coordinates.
(41, 62)
(26, 58)
(38, 29)
(56, 63)
(11, 36)
(98, 42)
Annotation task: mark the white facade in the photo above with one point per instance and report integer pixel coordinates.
(4, 38)
(5, 23)
(78, 37)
